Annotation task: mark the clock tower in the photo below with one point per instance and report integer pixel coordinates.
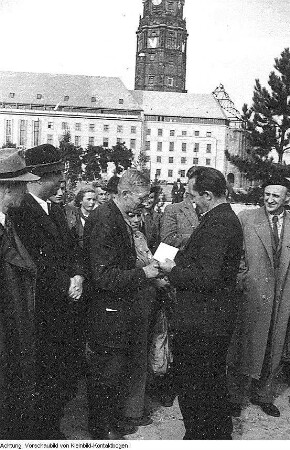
(161, 47)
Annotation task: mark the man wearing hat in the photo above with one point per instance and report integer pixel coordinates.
(43, 229)
(17, 278)
(258, 346)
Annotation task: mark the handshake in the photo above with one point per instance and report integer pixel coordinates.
(157, 269)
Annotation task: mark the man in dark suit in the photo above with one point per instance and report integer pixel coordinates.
(43, 229)
(111, 259)
(205, 277)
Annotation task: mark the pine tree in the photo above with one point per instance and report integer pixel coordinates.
(267, 124)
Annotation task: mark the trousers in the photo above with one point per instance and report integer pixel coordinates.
(200, 383)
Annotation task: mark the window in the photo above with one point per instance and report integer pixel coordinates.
(22, 132)
(64, 126)
(66, 98)
(170, 160)
(159, 146)
(105, 142)
(208, 134)
(183, 146)
(77, 141)
(93, 99)
(119, 140)
(147, 158)
(148, 131)
(91, 127)
(151, 80)
(196, 133)
(36, 132)
(121, 101)
(184, 133)
(183, 160)
(132, 144)
(195, 161)
(158, 172)
(196, 147)
(160, 132)
(78, 126)
(50, 125)
(182, 173)
(172, 133)
(106, 128)
(50, 139)
(170, 173)
(158, 159)
(147, 145)
(119, 128)
(38, 96)
(133, 130)
(170, 81)
(207, 162)
(91, 140)
(12, 94)
(171, 146)
(208, 148)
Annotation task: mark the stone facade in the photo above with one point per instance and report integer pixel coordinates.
(161, 47)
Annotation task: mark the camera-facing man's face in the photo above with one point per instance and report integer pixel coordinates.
(275, 197)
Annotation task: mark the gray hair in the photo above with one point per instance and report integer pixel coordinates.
(132, 179)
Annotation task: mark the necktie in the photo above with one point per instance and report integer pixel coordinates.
(48, 207)
(275, 230)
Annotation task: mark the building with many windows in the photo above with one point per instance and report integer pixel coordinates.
(175, 130)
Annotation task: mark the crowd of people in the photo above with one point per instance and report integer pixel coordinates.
(81, 293)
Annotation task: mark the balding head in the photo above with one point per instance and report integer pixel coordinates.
(133, 189)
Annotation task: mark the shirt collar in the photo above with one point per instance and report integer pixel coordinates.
(42, 203)
(2, 218)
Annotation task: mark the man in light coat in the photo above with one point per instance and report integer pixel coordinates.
(258, 344)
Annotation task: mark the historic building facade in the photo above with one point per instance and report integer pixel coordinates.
(161, 47)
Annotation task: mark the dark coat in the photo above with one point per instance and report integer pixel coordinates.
(73, 216)
(17, 337)
(151, 229)
(206, 272)
(111, 258)
(56, 256)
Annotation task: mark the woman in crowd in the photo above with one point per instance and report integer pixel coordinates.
(78, 213)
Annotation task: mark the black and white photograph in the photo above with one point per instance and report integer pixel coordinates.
(144, 222)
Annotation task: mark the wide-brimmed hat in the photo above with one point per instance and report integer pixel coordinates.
(43, 159)
(13, 168)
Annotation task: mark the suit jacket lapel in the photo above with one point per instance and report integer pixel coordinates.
(285, 248)
(122, 224)
(263, 230)
(40, 216)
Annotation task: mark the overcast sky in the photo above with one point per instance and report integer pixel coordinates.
(230, 41)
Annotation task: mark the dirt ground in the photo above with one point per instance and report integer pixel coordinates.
(167, 422)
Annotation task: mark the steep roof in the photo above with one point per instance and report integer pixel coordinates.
(179, 104)
(65, 90)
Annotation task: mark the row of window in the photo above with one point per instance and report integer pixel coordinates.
(65, 98)
(91, 141)
(92, 127)
(184, 146)
(173, 132)
(183, 160)
(181, 173)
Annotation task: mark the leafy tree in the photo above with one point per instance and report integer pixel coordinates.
(267, 124)
(73, 157)
(121, 156)
(95, 159)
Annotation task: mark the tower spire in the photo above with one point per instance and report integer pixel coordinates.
(161, 47)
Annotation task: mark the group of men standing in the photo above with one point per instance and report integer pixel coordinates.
(229, 336)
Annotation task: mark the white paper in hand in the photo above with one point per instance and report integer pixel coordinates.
(164, 252)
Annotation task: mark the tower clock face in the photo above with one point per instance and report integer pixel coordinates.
(156, 2)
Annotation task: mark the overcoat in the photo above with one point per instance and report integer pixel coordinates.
(178, 222)
(110, 256)
(17, 337)
(57, 257)
(262, 289)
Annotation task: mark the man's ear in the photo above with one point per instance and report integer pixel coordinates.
(208, 195)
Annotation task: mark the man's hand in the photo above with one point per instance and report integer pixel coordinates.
(152, 270)
(167, 265)
(76, 287)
